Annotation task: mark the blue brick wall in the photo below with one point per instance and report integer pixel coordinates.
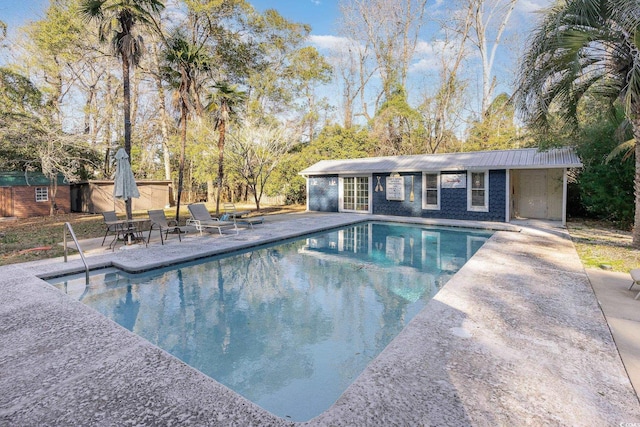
(382, 206)
(323, 193)
(453, 201)
(323, 197)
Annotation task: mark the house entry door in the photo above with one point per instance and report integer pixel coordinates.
(533, 194)
(6, 201)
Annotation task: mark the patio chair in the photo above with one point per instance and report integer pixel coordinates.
(111, 224)
(202, 219)
(121, 228)
(160, 222)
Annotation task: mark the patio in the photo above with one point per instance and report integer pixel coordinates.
(516, 337)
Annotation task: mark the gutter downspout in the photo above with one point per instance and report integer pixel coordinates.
(507, 201)
(564, 197)
(306, 180)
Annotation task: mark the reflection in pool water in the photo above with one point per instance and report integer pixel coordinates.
(291, 325)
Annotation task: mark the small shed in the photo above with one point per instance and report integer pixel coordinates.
(29, 194)
(96, 196)
(482, 186)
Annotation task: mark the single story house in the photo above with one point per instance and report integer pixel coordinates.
(96, 196)
(28, 194)
(480, 186)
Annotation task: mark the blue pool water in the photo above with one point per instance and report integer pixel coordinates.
(289, 325)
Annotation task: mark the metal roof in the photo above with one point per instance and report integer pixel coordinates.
(16, 178)
(527, 158)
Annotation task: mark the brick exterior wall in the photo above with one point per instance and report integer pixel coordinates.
(323, 193)
(25, 205)
(453, 201)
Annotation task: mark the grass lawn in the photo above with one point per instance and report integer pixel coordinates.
(599, 244)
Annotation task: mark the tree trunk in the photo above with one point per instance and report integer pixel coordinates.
(257, 199)
(636, 222)
(183, 148)
(127, 118)
(87, 110)
(164, 127)
(53, 189)
(222, 129)
(210, 190)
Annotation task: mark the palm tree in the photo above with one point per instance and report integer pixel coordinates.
(222, 103)
(117, 21)
(184, 58)
(584, 46)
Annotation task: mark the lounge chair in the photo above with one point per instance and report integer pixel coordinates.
(250, 221)
(160, 222)
(230, 209)
(202, 219)
(635, 276)
(231, 212)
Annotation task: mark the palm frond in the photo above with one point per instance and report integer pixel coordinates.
(627, 147)
(580, 46)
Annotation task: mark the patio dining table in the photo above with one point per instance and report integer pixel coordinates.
(128, 230)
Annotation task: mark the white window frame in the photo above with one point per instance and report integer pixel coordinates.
(42, 194)
(341, 193)
(470, 189)
(425, 205)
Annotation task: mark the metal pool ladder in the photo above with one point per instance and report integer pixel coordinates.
(67, 226)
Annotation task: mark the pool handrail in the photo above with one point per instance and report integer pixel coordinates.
(67, 226)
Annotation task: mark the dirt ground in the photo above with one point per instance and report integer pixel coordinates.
(30, 239)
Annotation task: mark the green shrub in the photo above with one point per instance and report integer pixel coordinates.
(606, 188)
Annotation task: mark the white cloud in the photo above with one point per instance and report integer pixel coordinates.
(334, 43)
(429, 56)
(532, 6)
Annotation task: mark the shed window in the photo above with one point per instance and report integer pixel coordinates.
(42, 194)
(478, 191)
(431, 185)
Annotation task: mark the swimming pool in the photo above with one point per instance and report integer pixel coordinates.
(288, 325)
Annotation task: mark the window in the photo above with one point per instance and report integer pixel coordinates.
(431, 185)
(42, 194)
(355, 193)
(478, 191)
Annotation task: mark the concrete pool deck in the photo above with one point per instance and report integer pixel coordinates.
(516, 337)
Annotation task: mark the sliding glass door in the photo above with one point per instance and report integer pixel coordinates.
(355, 193)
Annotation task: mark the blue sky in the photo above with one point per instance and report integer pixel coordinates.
(18, 12)
(320, 14)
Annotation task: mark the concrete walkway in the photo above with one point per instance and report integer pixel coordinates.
(516, 337)
(622, 312)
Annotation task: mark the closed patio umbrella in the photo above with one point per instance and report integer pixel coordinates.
(124, 185)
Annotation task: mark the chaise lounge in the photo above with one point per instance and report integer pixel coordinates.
(230, 211)
(202, 219)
